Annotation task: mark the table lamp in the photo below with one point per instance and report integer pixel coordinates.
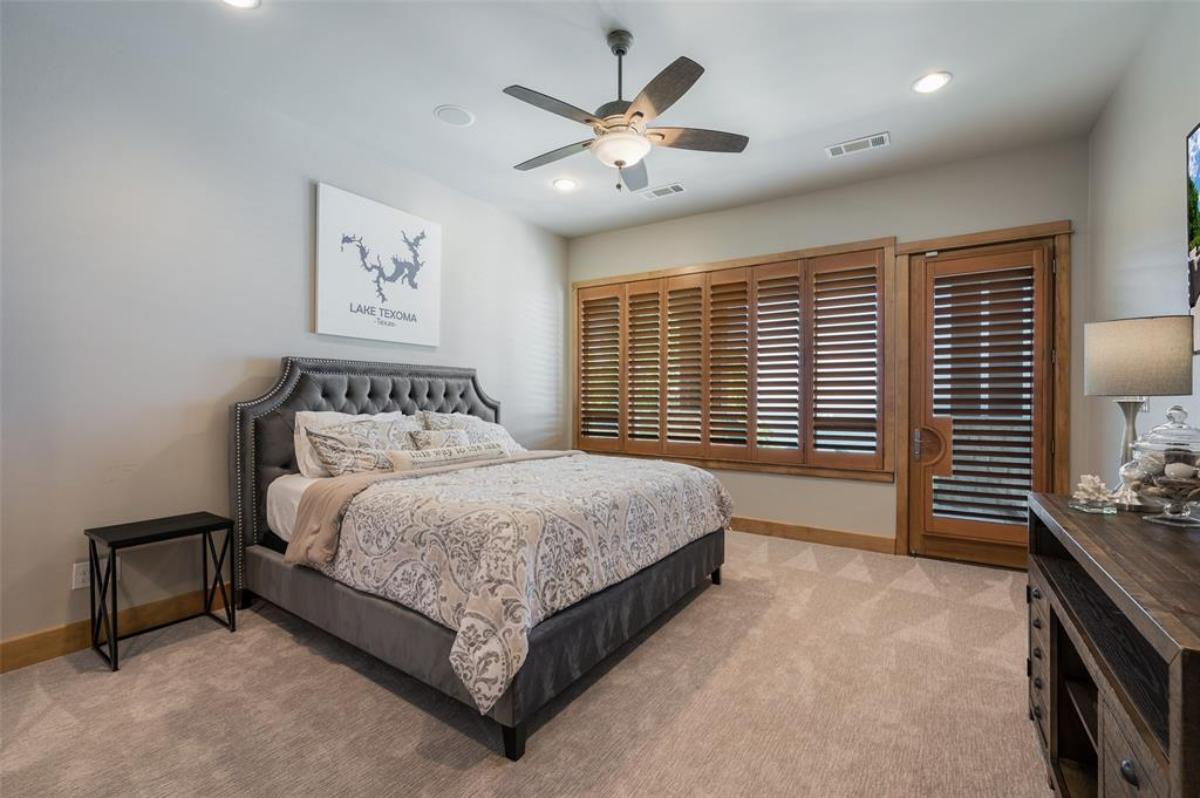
(1130, 359)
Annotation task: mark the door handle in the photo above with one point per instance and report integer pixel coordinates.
(931, 445)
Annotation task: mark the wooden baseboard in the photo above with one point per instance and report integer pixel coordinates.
(809, 534)
(59, 640)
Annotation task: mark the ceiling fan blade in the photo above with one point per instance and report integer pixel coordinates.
(548, 103)
(667, 87)
(694, 138)
(635, 177)
(554, 155)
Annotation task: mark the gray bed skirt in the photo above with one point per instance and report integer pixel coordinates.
(561, 649)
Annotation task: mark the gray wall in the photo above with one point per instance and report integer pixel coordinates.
(1139, 265)
(1039, 184)
(157, 257)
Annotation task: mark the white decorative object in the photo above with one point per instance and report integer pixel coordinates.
(1091, 488)
(379, 270)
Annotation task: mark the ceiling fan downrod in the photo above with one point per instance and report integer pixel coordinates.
(619, 41)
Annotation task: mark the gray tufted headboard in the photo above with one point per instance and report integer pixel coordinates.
(261, 447)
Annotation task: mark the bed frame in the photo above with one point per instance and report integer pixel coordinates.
(562, 648)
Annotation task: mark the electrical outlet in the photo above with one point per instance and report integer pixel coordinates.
(81, 575)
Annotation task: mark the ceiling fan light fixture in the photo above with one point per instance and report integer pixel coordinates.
(623, 147)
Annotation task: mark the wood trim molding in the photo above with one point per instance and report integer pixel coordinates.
(47, 644)
(1061, 379)
(1000, 236)
(900, 391)
(809, 534)
(737, 263)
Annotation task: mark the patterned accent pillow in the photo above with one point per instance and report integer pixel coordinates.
(446, 455)
(346, 455)
(389, 429)
(439, 438)
(478, 430)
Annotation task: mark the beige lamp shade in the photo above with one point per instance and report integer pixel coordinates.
(1150, 356)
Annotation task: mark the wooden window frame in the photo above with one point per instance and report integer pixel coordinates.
(880, 467)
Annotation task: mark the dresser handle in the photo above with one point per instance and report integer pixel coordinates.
(1037, 593)
(1037, 623)
(1128, 773)
(1037, 652)
(1037, 682)
(1037, 713)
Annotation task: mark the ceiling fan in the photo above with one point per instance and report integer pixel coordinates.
(622, 139)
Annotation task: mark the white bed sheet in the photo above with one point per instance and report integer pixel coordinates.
(283, 502)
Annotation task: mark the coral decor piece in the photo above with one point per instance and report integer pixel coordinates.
(1091, 488)
(1092, 496)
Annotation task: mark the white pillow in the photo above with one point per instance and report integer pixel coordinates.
(446, 455)
(306, 459)
(437, 439)
(478, 430)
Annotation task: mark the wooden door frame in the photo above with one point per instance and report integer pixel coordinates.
(1059, 234)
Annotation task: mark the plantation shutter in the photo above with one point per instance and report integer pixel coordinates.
(846, 376)
(729, 361)
(778, 363)
(600, 356)
(645, 368)
(687, 369)
(985, 345)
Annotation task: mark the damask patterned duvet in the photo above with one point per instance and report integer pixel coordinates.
(491, 550)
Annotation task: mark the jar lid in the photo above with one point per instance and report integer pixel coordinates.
(1175, 433)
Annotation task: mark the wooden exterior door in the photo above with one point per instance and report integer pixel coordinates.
(981, 398)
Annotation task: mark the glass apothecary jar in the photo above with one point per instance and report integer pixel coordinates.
(1164, 472)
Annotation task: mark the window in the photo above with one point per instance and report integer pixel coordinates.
(778, 363)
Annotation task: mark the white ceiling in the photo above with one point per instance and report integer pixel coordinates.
(793, 77)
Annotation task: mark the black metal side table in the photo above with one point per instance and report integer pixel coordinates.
(124, 536)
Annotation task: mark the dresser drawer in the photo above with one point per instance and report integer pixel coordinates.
(1129, 768)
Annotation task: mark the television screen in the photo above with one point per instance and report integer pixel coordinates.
(1193, 229)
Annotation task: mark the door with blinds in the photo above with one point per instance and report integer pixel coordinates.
(980, 403)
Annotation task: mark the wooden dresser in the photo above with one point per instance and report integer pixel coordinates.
(1114, 652)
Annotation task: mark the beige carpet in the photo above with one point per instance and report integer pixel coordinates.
(811, 671)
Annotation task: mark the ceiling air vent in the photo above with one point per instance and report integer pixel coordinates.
(661, 192)
(872, 142)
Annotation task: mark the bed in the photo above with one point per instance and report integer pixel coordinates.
(557, 651)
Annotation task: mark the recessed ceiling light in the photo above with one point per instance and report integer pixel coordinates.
(243, 4)
(928, 84)
(565, 184)
(454, 115)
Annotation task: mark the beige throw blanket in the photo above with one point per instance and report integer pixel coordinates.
(492, 549)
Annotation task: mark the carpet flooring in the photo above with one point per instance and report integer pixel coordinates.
(812, 671)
